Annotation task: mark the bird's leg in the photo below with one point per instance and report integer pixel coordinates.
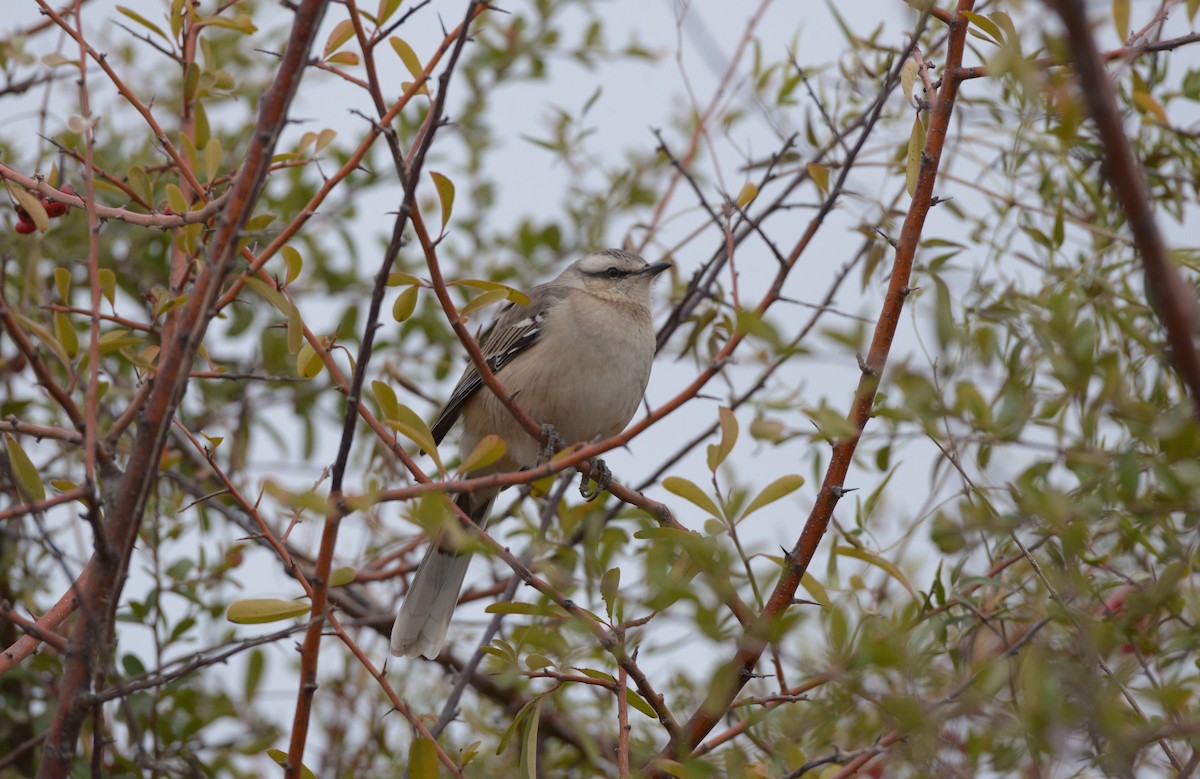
(603, 477)
(552, 444)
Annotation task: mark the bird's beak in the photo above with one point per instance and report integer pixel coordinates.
(654, 269)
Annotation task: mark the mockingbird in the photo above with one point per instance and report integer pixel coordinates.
(577, 358)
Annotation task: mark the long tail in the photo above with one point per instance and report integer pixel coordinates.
(424, 617)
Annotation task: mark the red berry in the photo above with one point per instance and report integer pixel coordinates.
(22, 214)
(67, 189)
(55, 209)
(25, 227)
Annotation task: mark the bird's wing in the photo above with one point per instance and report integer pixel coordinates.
(515, 329)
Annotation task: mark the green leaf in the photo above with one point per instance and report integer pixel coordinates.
(609, 584)
(386, 9)
(535, 661)
(1120, 12)
(176, 200)
(342, 32)
(254, 670)
(257, 611)
(342, 576)
(445, 190)
(747, 194)
(407, 56)
(985, 24)
(873, 559)
(408, 424)
(65, 334)
(729, 433)
(777, 489)
(483, 300)
(280, 757)
(916, 147)
(515, 295)
(348, 58)
(522, 609)
(308, 362)
(815, 590)
(422, 759)
(399, 278)
(592, 673)
(820, 176)
(108, 285)
(385, 396)
(142, 21)
(212, 158)
(638, 702)
(691, 492)
(294, 263)
(25, 473)
(529, 745)
(295, 330)
(32, 205)
(488, 451)
(406, 304)
(62, 281)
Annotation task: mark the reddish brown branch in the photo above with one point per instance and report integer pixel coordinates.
(110, 561)
(739, 670)
(1173, 298)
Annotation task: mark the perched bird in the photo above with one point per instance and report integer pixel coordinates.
(576, 358)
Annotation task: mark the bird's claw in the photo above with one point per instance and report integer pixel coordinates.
(552, 444)
(603, 477)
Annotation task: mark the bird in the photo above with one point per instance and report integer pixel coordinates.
(577, 359)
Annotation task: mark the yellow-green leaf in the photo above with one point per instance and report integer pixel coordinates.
(916, 147)
(1120, 12)
(400, 278)
(142, 21)
(342, 32)
(280, 757)
(1147, 104)
(422, 759)
(386, 9)
(529, 748)
(406, 304)
(65, 334)
(32, 205)
(389, 406)
(324, 138)
(691, 492)
(610, 582)
(985, 24)
(484, 300)
(407, 56)
(29, 483)
(408, 424)
(820, 176)
(729, 433)
(176, 200)
(445, 190)
(295, 330)
(294, 263)
(488, 451)
(257, 611)
(908, 78)
(212, 158)
(348, 58)
(815, 590)
(108, 285)
(515, 295)
(777, 489)
(62, 281)
(873, 559)
(340, 577)
(638, 702)
(308, 362)
(747, 194)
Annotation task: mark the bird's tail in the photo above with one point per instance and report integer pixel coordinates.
(421, 625)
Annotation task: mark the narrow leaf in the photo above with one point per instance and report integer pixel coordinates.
(1120, 12)
(484, 300)
(777, 489)
(729, 433)
(445, 190)
(257, 611)
(32, 205)
(820, 176)
(407, 56)
(873, 559)
(280, 757)
(912, 165)
(342, 32)
(407, 423)
(294, 263)
(489, 450)
(609, 583)
(29, 483)
(385, 396)
(690, 491)
(406, 304)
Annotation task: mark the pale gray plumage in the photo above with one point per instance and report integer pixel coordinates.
(577, 357)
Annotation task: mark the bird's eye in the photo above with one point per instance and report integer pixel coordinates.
(613, 273)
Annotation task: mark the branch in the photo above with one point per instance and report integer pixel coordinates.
(1173, 298)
